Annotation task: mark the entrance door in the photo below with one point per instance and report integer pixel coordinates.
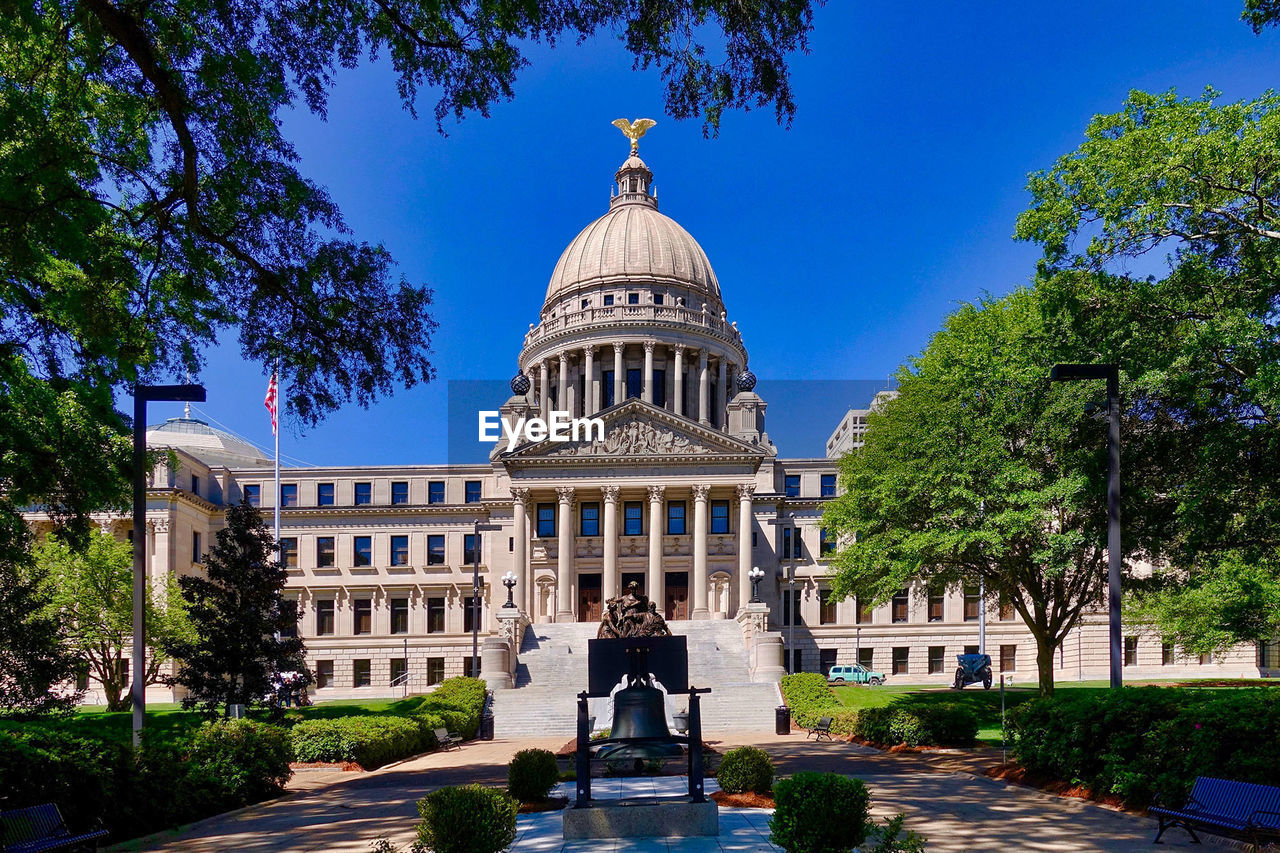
(677, 595)
(589, 606)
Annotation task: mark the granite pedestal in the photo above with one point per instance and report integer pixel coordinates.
(663, 817)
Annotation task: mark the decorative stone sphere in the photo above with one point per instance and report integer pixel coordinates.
(746, 380)
(520, 384)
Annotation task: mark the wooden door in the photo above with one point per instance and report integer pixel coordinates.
(677, 602)
(589, 607)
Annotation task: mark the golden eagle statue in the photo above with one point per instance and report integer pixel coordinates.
(633, 130)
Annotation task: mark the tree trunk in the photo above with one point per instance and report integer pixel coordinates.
(1045, 647)
(113, 691)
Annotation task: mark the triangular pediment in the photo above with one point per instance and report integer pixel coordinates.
(636, 431)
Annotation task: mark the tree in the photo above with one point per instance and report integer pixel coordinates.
(980, 470)
(91, 593)
(239, 619)
(1199, 181)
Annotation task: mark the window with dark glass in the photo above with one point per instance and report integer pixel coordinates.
(935, 604)
(195, 485)
(324, 552)
(608, 300)
(195, 546)
(635, 382)
(719, 516)
(468, 613)
(435, 549)
(435, 615)
(1007, 613)
(633, 518)
(657, 299)
(364, 493)
(399, 615)
(659, 387)
(828, 486)
(362, 551)
(786, 544)
(399, 669)
(589, 522)
(324, 494)
(866, 656)
(633, 299)
(288, 494)
(675, 518)
(362, 616)
(1166, 654)
(606, 388)
(399, 492)
(324, 618)
(792, 544)
(361, 672)
(586, 303)
(289, 551)
(435, 492)
(289, 617)
(792, 604)
(324, 673)
(900, 606)
(82, 675)
(546, 521)
(937, 659)
(435, 670)
(864, 609)
(470, 553)
(826, 660)
(826, 608)
(1130, 651)
(400, 550)
(473, 491)
(791, 485)
(253, 495)
(1009, 658)
(971, 650)
(468, 667)
(826, 545)
(901, 660)
(972, 604)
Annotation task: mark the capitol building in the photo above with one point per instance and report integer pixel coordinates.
(683, 496)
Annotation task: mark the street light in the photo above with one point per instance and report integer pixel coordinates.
(142, 394)
(509, 581)
(475, 596)
(756, 575)
(1111, 373)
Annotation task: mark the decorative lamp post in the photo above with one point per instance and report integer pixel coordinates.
(756, 575)
(509, 581)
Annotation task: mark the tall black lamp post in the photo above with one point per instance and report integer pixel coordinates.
(476, 609)
(756, 575)
(1111, 373)
(143, 394)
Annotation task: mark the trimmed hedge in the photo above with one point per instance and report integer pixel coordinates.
(819, 813)
(1140, 741)
(919, 725)
(467, 819)
(745, 769)
(810, 698)
(370, 741)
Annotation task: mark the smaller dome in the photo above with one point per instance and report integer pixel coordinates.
(520, 384)
(746, 380)
(633, 162)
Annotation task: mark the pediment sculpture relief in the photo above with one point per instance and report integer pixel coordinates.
(633, 437)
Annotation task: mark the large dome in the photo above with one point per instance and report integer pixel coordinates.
(633, 243)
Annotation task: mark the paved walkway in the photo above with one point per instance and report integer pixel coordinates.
(940, 793)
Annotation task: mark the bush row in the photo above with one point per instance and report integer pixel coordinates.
(222, 765)
(944, 724)
(1137, 742)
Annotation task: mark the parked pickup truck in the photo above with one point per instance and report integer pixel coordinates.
(854, 674)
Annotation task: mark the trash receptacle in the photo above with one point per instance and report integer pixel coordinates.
(783, 720)
(486, 727)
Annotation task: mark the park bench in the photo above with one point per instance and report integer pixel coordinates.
(39, 828)
(821, 730)
(1242, 807)
(447, 739)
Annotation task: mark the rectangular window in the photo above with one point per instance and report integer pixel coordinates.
(590, 519)
(364, 493)
(253, 495)
(468, 613)
(793, 605)
(608, 300)
(435, 549)
(635, 382)
(633, 299)
(826, 545)
(472, 495)
(657, 299)
(324, 494)
(1007, 613)
(82, 675)
(901, 607)
(606, 388)
(1130, 651)
(1206, 658)
(324, 673)
(901, 656)
(400, 492)
(546, 521)
(828, 486)
(362, 551)
(826, 660)
(361, 672)
(937, 659)
(936, 605)
(719, 516)
(468, 667)
(435, 492)
(971, 650)
(786, 544)
(792, 485)
(289, 551)
(288, 494)
(324, 552)
(470, 551)
(324, 618)
(659, 387)
(633, 518)
(195, 485)
(196, 553)
(435, 615)
(399, 615)
(435, 670)
(972, 604)
(864, 610)
(826, 608)
(675, 518)
(399, 671)
(866, 657)
(289, 617)
(1009, 658)
(362, 616)
(1166, 655)
(400, 550)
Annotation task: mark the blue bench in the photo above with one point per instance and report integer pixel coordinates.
(38, 828)
(1242, 807)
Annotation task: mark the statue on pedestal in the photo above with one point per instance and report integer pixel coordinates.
(632, 614)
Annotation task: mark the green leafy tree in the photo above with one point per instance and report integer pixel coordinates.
(1196, 182)
(91, 592)
(981, 470)
(238, 618)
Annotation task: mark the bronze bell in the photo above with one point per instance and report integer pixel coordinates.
(639, 711)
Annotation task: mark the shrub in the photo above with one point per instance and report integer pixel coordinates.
(809, 697)
(467, 819)
(455, 705)
(873, 724)
(819, 813)
(369, 741)
(745, 769)
(918, 725)
(248, 761)
(532, 774)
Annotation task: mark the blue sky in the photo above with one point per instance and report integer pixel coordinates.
(840, 243)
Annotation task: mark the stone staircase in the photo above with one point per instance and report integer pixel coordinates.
(553, 669)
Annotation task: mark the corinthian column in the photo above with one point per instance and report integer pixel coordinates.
(657, 580)
(704, 389)
(564, 555)
(519, 532)
(562, 397)
(722, 382)
(609, 583)
(544, 390)
(700, 610)
(619, 375)
(745, 491)
(592, 396)
(648, 370)
(679, 393)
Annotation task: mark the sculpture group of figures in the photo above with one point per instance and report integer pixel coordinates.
(632, 614)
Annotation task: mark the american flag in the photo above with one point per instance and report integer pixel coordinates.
(272, 403)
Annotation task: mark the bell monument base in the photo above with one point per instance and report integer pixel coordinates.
(663, 817)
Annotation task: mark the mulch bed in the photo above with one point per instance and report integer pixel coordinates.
(1019, 775)
(748, 800)
(553, 804)
(326, 765)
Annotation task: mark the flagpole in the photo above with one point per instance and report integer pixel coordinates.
(276, 429)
